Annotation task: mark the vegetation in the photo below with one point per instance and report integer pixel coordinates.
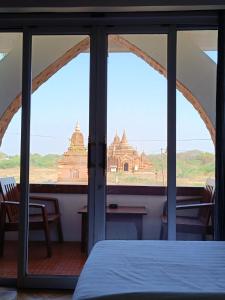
(195, 163)
(44, 161)
(7, 162)
(36, 160)
(193, 168)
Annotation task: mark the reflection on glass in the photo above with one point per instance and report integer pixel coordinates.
(196, 104)
(58, 152)
(10, 132)
(137, 135)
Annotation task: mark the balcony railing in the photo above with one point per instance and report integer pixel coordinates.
(68, 258)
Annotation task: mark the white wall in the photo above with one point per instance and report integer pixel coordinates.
(71, 220)
(151, 221)
(45, 51)
(195, 70)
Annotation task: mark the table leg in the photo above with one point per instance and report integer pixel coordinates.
(139, 226)
(84, 233)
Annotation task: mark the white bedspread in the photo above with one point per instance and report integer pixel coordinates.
(153, 270)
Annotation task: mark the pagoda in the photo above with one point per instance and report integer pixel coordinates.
(122, 157)
(73, 165)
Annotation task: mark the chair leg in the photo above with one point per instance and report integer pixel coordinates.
(60, 232)
(2, 232)
(47, 239)
(2, 240)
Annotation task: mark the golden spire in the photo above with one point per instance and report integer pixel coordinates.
(77, 139)
(77, 128)
(116, 139)
(124, 138)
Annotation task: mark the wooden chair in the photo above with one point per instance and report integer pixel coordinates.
(9, 214)
(198, 224)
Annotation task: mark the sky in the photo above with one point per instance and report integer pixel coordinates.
(137, 103)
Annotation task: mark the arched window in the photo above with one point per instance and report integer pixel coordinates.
(126, 167)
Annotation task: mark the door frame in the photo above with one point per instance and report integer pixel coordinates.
(97, 142)
(98, 27)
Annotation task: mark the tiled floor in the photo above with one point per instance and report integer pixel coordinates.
(67, 259)
(8, 294)
(44, 295)
(12, 294)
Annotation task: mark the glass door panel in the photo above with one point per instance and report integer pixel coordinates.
(196, 116)
(136, 136)
(10, 132)
(58, 154)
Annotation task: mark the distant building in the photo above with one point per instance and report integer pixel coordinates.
(121, 157)
(73, 166)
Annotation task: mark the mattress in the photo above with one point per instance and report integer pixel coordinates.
(153, 270)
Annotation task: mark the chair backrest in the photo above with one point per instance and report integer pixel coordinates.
(204, 213)
(10, 193)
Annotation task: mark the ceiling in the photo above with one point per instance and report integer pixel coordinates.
(205, 39)
(20, 6)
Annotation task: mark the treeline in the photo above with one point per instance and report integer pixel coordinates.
(36, 160)
(189, 163)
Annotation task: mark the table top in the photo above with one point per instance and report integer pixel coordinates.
(135, 210)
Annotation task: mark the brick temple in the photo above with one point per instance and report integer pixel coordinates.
(73, 166)
(121, 157)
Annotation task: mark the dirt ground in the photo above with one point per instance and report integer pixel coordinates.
(49, 175)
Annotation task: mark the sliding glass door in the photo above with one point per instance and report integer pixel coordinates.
(10, 132)
(58, 153)
(109, 142)
(55, 109)
(136, 135)
(196, 133)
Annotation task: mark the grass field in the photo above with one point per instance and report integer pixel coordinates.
(193, 169)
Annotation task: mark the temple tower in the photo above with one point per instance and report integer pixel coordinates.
(122, 157)
(73, 166)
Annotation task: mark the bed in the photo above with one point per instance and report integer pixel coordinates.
(153, 270)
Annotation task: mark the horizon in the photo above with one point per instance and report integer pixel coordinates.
(60, 154)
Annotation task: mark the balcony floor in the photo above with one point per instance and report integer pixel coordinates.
(67, 259)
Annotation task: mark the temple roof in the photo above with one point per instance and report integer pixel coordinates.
(116, 139)
(124, 138)
(77, 128)
(77, 138)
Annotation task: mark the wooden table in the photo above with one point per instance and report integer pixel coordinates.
(132, 214)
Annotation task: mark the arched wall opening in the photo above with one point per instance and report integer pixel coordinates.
(82, 46)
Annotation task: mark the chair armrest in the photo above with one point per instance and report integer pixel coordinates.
(178, 201)
(195, 198)
(35, 205)
(47, 199)
(4, 203)
(43, 211)
(191, 206)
